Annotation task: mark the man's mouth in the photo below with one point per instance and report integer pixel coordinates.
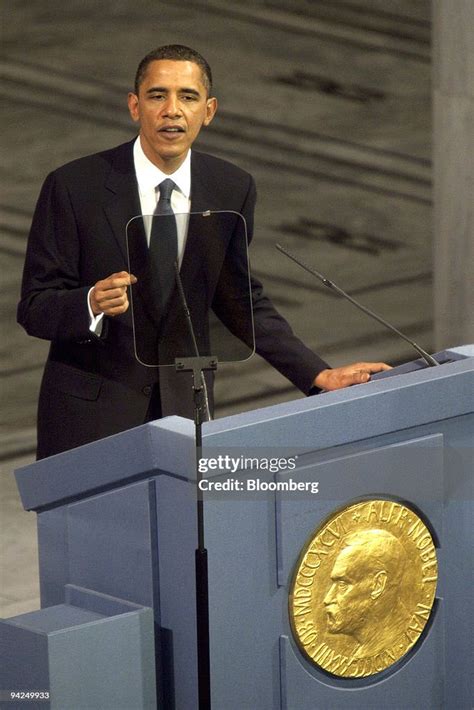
(171, 129)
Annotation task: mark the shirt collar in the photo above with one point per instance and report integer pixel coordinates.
(149, 176)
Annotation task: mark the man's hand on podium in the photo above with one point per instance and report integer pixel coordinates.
(355, 374)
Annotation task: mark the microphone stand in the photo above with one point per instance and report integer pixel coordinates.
(197, 365)
(429, 359)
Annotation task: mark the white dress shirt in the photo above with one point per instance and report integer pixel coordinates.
(148, 178)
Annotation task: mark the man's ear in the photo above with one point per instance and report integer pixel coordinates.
(211, 108)
(132, 101)
(380, 580)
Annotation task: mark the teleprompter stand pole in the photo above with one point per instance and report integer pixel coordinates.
(197, 365)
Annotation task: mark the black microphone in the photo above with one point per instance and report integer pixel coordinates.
(429, 359)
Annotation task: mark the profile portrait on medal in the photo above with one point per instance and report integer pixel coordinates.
(367, 597)
(364, 588)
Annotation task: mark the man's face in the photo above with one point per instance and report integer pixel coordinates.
(171, 107)
(349, 597)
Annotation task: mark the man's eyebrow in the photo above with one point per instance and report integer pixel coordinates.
(195, 92)
(163, 90)
(340, 577)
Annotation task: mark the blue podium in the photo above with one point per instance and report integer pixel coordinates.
(118, 517)
(93, 652)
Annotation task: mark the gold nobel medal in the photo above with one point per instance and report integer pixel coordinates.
(364, 588)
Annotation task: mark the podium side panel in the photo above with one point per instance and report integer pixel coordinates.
(176, 540)
(106, 665)
(101, 543)
(457, 555)
(25, 669)
(245, 604)
(52, 555)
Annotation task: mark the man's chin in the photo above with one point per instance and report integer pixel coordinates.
(172, 155)
(333, 626)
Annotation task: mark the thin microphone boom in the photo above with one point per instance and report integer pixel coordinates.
(429, 359)
(185, 306)
(189, 322)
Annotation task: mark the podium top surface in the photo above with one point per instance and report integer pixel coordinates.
(409, 395)
(166, 447)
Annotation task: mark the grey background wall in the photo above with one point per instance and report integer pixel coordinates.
(453, 154)
(327, 102)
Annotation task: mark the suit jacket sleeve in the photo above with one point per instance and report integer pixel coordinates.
(53, 301)
(274, 338)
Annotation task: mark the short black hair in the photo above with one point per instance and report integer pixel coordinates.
(176, 52)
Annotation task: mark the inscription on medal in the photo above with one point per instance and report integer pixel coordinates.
(364, 588)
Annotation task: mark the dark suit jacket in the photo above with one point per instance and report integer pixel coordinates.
(93, 387)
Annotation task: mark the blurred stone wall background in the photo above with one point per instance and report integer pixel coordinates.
(326, 102)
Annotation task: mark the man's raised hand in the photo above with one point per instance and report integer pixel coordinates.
(109, 296)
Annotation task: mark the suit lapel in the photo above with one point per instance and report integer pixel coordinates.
(122, 202)
(123, 211)
(202, 199)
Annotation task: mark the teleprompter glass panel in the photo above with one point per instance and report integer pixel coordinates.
(212, 293)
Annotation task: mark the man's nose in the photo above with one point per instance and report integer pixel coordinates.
(329, 598)
(172, 107)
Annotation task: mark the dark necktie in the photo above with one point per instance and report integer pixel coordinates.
(163, 247)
